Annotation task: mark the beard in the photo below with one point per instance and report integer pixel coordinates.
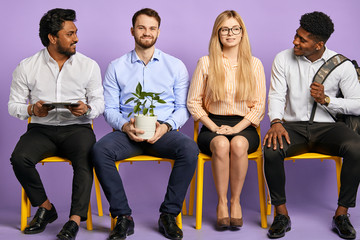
(145, 45)
(65, 51)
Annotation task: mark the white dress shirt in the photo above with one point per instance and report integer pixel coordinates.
(39, 78)
(289, 94)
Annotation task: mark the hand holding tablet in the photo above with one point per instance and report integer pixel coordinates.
(52, 105)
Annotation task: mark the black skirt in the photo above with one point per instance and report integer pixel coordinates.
(205, 135)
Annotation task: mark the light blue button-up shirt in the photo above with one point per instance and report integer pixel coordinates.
(163, 73)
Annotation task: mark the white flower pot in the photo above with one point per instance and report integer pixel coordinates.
(147, 124)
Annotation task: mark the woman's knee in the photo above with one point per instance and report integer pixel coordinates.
(220, 145)
(239, 146)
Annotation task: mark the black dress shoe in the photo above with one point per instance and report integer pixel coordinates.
(342, 225)
(41, 219)
(69, 231)
(168, 227)
(280, 225)
(124, 227)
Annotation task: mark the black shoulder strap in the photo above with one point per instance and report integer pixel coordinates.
(323, 73)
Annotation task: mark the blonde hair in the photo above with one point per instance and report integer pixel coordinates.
(245, 87)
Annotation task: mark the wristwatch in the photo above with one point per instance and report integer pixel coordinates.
(327, 100)
(169, 126)
(88, 110)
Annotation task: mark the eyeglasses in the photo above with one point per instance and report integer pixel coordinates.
(225, 31)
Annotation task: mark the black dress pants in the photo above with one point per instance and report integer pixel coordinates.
(72, 142)
(327, 138)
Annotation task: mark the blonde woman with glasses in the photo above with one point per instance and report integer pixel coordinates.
(227, 94)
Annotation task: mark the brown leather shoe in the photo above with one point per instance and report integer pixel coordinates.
(236, 222)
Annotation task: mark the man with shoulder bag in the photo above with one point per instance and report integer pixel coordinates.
(296, 128)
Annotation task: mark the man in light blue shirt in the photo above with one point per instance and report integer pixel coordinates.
(157, 72)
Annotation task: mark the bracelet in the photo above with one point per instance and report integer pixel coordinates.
(277, 121)
(32, 110)
(168, 126)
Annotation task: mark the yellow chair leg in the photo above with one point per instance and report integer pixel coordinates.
(113, 222)
(28, 207)
(261, 183)
(98, 195)
(184, 212)
(89, 225)
(24, 210)
(199, 193)
(192, 196)
(179, 221)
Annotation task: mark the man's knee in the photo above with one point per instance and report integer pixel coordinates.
(351, 149)
(272, 156)
(97, 153)
(21, 160)
(190, 151)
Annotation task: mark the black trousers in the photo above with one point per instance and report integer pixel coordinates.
(327, 138)
(72, 142)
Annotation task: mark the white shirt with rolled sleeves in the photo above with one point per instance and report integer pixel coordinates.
(289, 94)
(39, 78)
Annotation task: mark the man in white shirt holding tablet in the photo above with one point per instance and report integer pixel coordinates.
(56, 74)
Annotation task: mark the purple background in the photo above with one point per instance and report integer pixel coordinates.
(104, 34)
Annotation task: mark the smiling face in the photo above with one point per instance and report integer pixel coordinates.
(66, 39)
(145, 31)
(230, 33)
(305, 45)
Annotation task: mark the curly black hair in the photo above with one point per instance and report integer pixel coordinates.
(318, 24)
(52, 23)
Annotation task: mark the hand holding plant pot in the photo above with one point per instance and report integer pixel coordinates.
(145, 118)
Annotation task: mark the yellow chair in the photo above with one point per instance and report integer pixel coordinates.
(140, 158)
(310, 155)
(256, 156)
(25, 202)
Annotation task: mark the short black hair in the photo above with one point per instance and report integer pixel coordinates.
(52, 22)
(148, 12)
(318, 24)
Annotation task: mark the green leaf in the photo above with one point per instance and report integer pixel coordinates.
(136, 108)
(148, 94)
(152, 106)
(136, 95)
(156, 98)
(129, 114)
(138, 89)
(161, 101)
(145, 110)
(129, 100)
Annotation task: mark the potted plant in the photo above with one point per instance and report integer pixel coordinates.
(145, 119)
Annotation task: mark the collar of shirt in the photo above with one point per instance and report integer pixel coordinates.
(135, 58)
(48, 57)
(326, 55)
